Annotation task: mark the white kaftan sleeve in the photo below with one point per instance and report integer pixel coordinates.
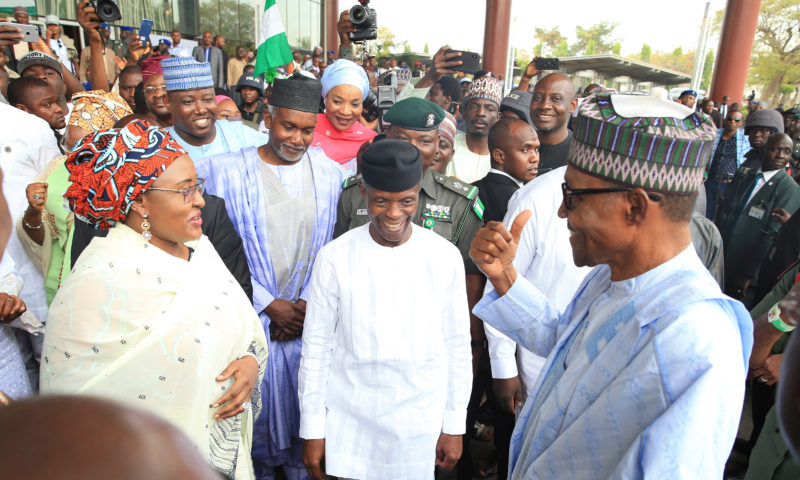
(455, 331)
(524, 315)
(322, 316)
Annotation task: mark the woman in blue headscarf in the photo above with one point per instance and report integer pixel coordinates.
(339, 131)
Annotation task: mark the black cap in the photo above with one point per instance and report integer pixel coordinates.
(391, 166)
(297, 92)
(519, 102)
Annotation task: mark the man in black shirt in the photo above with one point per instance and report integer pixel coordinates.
(552, 104)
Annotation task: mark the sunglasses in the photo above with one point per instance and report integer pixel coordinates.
(737, 120)
(569, 194)
(188, 192)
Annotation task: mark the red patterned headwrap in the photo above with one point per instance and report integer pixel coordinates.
(110, 169)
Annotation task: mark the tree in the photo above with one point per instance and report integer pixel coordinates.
(537, 51)
(776, 51)
(406, 47)
(384, 42)
(549, 39)
(616, 49)
(562, 50)
(599, 34)
(646, 53)
(425, 49)
(708, 68)
(590, 47)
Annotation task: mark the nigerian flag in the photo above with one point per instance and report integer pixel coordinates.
(273, 47)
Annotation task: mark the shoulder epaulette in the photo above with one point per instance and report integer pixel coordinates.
(354, 180)
(462, 188)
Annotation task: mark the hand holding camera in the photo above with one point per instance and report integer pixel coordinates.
(88, 19)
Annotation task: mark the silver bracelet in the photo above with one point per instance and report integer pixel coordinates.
(28, 225)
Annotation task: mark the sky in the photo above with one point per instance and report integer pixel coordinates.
(664, 25)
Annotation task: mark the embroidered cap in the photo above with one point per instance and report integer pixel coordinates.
(644, 142)
(415, 113)
(186, 73)
(298, 92)
(486, 87)
(447, 128)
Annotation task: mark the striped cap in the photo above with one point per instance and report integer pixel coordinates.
(186, 73)
(644, 142)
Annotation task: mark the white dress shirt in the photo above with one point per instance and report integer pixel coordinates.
(386, 363)
(544, 258)
(27, 146)
(761, 179)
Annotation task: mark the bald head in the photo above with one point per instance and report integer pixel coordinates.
(93, 439)
(553, 102)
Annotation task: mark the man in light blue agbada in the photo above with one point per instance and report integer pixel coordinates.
(192, 102)
(646, 367)
(282, 199)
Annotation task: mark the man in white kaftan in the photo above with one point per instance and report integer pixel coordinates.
(282, 200)
(385, 375)
(646, 366)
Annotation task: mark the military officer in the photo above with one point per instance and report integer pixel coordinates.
(447, 206)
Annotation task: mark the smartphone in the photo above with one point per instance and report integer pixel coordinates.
(30, 33)
(144, 31)
(547, 64)
(470, 62)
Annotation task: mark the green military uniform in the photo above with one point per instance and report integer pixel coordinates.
(447, 206)
(770, 458)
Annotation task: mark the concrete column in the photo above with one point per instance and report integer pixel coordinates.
(734, 50)
(331, 19)
(495, 39)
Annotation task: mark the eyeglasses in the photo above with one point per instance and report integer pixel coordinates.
(569, 193)
(737, 120)
(188, 192)
(162, 88)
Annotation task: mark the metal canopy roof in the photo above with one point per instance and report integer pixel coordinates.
(612, 66)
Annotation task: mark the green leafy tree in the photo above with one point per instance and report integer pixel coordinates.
(600, 35)
(550, 40)
(776, 51)
(537, 51)
(426, 48)
(590, 47)
(646, 52)
(616, 49)
(708, 67)
(562, 50)
(406, 48)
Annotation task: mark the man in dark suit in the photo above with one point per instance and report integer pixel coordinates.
(707, 106)
(207, 52)
(217, 226)
(514, 151)
(748, 220)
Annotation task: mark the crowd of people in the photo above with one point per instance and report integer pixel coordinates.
(285, 281)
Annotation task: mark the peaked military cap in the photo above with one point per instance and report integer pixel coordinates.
(415, 114)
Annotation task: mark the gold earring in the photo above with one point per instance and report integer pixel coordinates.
(146, 229)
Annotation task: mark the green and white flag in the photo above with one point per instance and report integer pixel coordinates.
(273, 46)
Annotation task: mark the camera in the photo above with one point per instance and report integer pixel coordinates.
(365, 21)
(107, 10)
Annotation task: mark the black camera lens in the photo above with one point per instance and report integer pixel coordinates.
(107, 10)
(358, 14)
